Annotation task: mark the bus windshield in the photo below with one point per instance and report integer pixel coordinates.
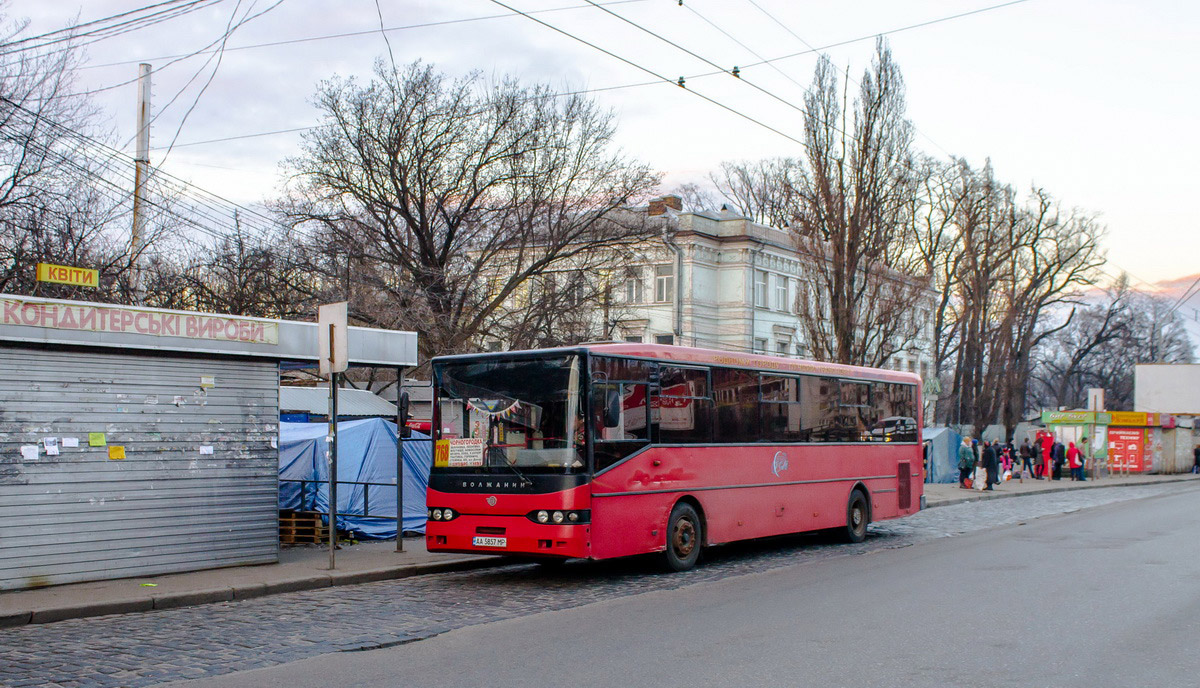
(527, 413)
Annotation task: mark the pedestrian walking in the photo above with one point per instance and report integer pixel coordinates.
(1027, 460)
(1196, 454)
(1075, 460)
(991, 464)
(966, 462)
(1047, 446)
(1059, 454)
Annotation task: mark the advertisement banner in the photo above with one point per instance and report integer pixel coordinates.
(64, 316)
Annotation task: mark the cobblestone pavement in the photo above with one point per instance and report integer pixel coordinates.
(145, 649)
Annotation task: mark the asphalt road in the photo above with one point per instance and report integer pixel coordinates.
(1104, 596)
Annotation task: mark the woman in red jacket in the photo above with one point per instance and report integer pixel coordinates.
(1075, 460)
(1047, 446)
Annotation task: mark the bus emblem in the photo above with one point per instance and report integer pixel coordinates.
(491, 501)
(780, 463)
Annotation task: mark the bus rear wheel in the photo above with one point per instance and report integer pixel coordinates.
(857, 517)
(684, 537)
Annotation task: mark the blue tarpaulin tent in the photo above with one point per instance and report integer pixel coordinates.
(366, 454)
(943, 454)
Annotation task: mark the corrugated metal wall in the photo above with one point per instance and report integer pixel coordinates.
(166, 507)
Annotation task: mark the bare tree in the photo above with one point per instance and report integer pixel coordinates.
(1100, 345)
(448, 196)
(853, 214)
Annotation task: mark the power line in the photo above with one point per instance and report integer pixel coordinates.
(808, 45)
(735, 72)
(639, 67)
(748, 49)
(659, 79)
(353, 34)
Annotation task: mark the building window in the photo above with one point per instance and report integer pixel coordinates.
(760, 346)
(760, 289)
(924, 370)
(664, 283)
(633, 289)
(912, 366)
(633, 338)
(781, 293)
(664, 339)
(781, 348)
(493, 346)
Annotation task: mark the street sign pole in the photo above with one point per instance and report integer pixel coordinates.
(401, 425)
(333, 467)
(331, 343)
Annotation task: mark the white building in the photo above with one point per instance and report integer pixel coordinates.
(718, 280)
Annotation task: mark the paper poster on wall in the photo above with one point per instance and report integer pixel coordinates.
(207, 381)
(207, 449)
(51, 445)
(96, 439)
(29, 452)
(70, 442)
(274, 442)
(116, 452)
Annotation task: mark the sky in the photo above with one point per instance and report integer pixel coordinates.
(1093, 100)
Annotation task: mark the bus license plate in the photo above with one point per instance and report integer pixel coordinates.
(489, 541)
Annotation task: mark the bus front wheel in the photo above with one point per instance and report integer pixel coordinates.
(684, 537)
(857, 517)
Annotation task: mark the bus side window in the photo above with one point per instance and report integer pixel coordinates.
(736, 395)
(682, 406)
(618, 429)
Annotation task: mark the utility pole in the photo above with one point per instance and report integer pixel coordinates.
(141, 171)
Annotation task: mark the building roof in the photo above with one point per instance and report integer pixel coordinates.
(351, 402)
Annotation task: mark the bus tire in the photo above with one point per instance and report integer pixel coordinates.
(684, 537)
(857, 518)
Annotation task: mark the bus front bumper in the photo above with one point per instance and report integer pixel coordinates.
(509, 535)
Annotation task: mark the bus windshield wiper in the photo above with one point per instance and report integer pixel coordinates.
(513, 468)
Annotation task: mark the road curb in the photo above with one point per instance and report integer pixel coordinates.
(1006, 495)
(244, 591)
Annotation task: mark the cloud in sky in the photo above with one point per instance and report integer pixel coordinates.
(1090, 100)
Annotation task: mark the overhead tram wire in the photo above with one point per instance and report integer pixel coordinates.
(901, 29)
(354, 34)
(230, 28)
(821, 52)
(748, 49)
(803, 111)
(735, 72)
(651, 72)
(640, 84)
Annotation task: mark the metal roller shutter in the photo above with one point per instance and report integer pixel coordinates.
(166, 507)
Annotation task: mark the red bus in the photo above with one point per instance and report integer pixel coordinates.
(611, 450)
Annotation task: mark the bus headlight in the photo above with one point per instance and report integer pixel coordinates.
(447, 514)
(560, 516)
(437, 514)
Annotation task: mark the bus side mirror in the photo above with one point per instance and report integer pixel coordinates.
(402, 412)
(612, 409)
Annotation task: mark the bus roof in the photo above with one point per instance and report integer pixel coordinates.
(693, 355)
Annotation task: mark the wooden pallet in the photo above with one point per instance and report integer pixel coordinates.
(301, 527)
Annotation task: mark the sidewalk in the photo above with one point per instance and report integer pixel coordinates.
(947, 494)
(302, 567)
(306, 567)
